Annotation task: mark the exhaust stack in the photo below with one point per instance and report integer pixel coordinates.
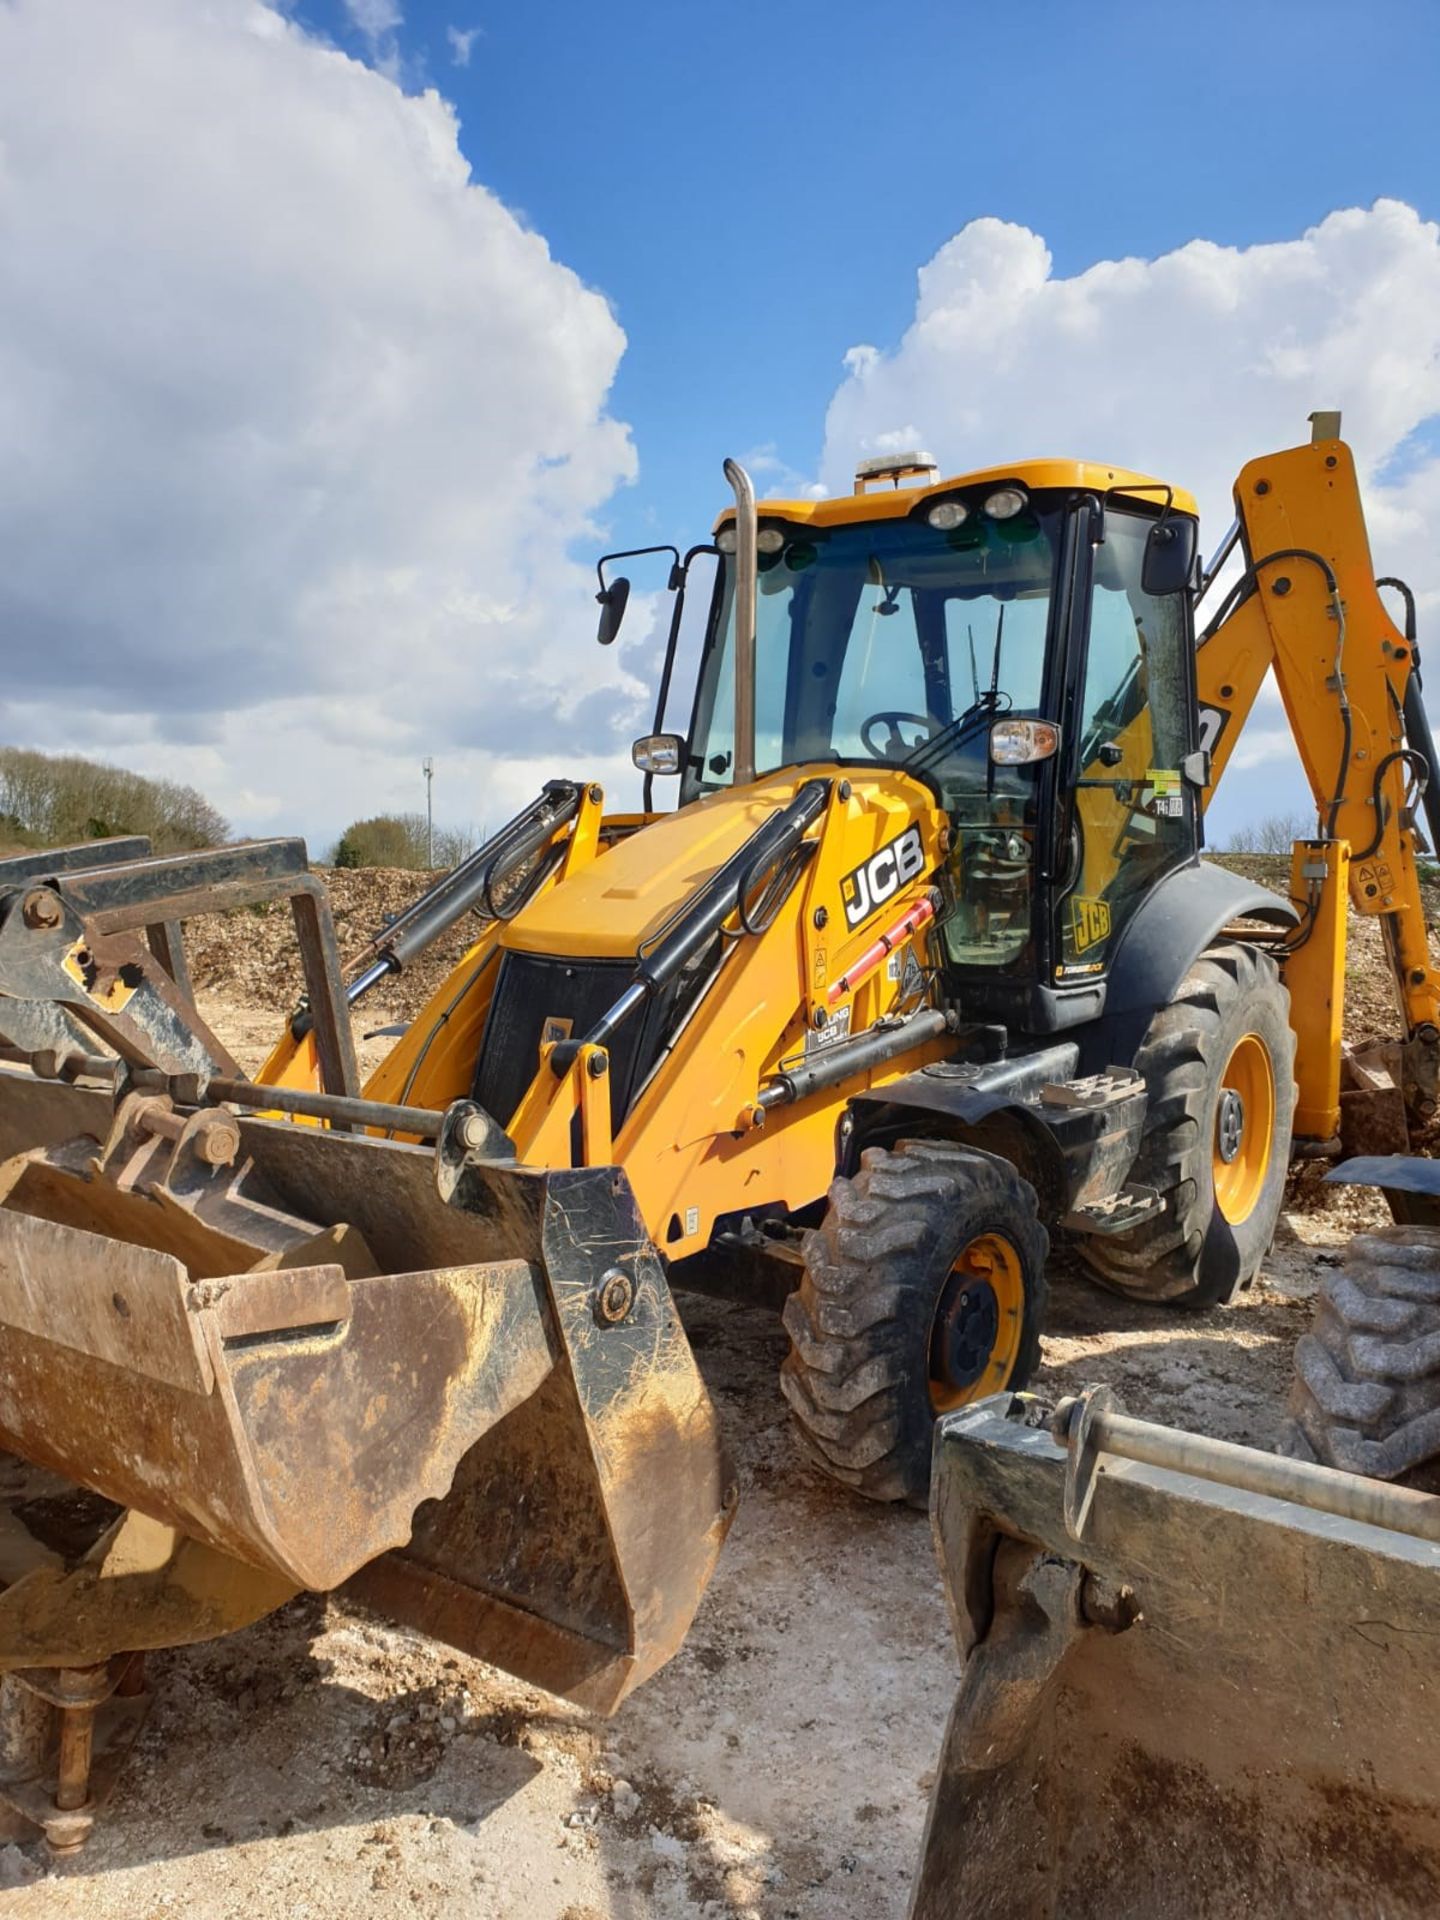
(745, 577)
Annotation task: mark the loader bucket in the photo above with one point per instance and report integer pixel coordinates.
(309, 1357)
(1180, 1696)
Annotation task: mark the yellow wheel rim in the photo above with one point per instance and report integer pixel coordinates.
(1244, 1128)
(975, 1338)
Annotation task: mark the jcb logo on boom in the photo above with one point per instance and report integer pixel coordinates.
(871, 884)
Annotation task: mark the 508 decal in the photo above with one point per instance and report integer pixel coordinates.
(872, 883)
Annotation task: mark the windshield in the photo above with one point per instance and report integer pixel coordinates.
(897, 642)
(889, 641)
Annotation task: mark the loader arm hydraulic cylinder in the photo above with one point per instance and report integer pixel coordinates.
(727, 890)
(471, 884)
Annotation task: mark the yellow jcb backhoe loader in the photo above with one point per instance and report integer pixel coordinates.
(923, 967)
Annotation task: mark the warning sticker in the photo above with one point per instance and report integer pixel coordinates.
(1163, 780)
(1089, 921)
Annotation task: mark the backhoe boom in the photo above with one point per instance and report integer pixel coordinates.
(1308, 606)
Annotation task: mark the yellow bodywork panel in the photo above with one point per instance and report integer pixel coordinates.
(893, 503)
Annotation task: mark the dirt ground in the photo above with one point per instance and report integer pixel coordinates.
(321, 1764)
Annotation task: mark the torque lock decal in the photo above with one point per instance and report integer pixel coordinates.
(871, 884)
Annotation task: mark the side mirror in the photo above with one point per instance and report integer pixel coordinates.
(613, 601)
(1169, 562)
(658, 753)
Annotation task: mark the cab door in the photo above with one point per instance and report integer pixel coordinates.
(1132, 814)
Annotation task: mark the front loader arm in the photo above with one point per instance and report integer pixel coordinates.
(1308, 607)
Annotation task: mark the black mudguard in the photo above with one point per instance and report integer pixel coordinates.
(1170, 928)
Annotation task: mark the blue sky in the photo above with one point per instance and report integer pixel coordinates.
(753, 187)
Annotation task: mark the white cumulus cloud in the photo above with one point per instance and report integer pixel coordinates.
(1186, 367)
(298, 426)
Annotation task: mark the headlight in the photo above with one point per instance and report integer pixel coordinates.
(946, 514)
(725, 539)
(1015, 743)
(770, 539)
(1005, 503)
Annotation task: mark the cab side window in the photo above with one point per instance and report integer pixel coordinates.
(1132, 812)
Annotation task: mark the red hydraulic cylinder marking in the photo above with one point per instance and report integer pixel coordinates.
(909, 924)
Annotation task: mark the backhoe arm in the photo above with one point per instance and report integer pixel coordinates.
(1308, 606)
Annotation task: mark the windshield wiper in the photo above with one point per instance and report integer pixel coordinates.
(984, 706)
(991, 702)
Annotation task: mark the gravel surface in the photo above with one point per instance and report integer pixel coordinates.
(321, 1763)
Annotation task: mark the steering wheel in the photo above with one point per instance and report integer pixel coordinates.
(895, 747)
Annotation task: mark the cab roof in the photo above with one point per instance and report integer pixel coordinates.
(893, 503)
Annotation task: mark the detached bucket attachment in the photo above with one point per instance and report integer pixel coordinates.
(1198, 1681)
(307, 1357)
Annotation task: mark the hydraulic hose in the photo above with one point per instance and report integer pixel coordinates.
(1418, 734)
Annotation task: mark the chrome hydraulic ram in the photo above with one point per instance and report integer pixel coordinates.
(471, 884)
(702, 917)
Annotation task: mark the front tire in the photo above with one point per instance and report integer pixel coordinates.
(924, 1289)
(1219, 1065)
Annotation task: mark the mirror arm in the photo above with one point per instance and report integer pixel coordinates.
(679, 578)
(637, 553)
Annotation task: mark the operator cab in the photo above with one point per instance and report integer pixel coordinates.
(1002, 638)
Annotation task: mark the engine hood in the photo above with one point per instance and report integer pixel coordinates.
(623, 897)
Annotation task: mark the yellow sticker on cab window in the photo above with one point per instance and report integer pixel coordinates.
(1163, 779)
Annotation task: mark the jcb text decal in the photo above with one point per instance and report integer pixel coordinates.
(1090, 920)
(872, 883)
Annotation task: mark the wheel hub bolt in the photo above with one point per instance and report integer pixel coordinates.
(1229, 1124)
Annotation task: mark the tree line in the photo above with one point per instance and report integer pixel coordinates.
(54, 800)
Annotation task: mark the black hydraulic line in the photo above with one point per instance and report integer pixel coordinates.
(1248, 583)
(831, 1064)
(703, 916)
(1418, 733)
(1382, 816)
(1421, 740)
(471, 884)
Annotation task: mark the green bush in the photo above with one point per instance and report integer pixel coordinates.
(398, 840)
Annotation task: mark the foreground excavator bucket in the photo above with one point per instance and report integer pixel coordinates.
(241, 1357)
(1198, 1681)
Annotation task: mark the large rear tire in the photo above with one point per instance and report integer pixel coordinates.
(1219, 1065)
(1366, 1393)
(924, 1289)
